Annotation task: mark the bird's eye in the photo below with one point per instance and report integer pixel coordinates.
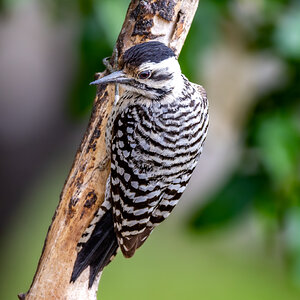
(144, 74)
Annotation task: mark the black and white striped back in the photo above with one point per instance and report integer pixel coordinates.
(155, 148)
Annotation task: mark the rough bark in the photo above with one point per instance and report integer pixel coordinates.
(167, 21)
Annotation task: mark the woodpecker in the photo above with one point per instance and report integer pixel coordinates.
(154, 137)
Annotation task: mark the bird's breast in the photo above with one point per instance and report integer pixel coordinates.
(160, 136)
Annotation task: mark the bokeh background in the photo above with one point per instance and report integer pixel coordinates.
(236, 232)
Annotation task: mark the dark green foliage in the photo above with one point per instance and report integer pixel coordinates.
(203, 34)
(90, 46)
(269, 183)
(230, 203)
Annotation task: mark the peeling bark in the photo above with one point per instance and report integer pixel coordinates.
(167, 21)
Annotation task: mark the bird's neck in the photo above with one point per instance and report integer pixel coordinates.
(166, 92)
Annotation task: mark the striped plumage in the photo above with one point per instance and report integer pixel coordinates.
(154, 138)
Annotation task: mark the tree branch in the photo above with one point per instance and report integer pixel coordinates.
(167, 21)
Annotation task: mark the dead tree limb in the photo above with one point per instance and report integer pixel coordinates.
(167, 21)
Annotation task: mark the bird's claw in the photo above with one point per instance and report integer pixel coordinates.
(107, 64)
(103, 164)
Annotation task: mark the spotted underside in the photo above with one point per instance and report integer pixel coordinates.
(155, 148)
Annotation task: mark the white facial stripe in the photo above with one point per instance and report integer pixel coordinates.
(170, 63)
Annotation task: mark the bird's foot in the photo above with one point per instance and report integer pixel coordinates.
(103, 164)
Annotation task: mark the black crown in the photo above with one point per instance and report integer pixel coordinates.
(147, 52)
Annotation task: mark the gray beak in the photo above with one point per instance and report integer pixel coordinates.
(115, 77)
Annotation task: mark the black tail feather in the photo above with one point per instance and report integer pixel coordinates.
(98, 250)
(101, 262)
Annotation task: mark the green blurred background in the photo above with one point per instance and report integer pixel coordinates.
(236, 232)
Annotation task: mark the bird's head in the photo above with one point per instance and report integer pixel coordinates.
(150, 69)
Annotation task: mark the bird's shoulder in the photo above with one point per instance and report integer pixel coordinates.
(199, 89)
